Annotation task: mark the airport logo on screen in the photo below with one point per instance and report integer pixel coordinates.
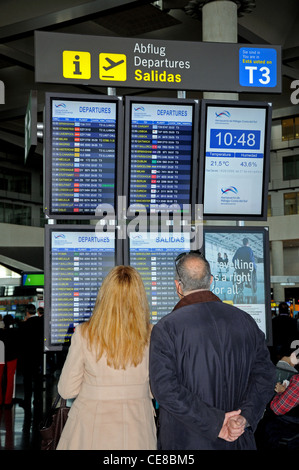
(130, 62)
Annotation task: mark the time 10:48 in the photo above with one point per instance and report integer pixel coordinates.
(237, 139)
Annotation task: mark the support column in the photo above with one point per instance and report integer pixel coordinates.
(220, 24)
(277, 268)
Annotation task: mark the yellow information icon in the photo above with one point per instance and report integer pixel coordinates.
(76, 64)
(113, 66)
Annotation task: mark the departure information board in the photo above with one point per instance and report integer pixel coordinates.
(160, 147)
(82, 157)
(78, 260)
(153, 255)
(235, 160)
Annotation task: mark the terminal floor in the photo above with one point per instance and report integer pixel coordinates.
(19, 427)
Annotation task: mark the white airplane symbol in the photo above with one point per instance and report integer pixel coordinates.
(112, 63)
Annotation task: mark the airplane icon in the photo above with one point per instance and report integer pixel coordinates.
(112, 64)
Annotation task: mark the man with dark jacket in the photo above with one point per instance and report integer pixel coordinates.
(31, 343)
(210, 369)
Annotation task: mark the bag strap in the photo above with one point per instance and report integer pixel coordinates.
(55, 402)
(53, 408)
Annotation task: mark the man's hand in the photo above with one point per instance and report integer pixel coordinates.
(233, 426)
(279, 387)
(236, 426)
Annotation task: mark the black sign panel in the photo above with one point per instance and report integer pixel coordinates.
(176, 65)
(31, 124)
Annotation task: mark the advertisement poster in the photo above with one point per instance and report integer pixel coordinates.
(239, 269)
(234, 160)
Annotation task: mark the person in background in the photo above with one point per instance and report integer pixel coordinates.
(106, 371)
(40, 312)
(282, 419)
(31, 355)
(284, 332)
(287, 366)
(10, 338)
(244, 254)
(210, 369)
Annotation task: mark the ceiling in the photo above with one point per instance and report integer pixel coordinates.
(267, 22)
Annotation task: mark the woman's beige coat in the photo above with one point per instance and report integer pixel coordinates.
(113, 408)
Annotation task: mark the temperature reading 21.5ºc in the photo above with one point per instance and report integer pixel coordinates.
(235, 139)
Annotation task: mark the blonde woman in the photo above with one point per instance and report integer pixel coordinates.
(106, 369)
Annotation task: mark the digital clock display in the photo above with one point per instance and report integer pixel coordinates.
(234, 159)
(235, 139)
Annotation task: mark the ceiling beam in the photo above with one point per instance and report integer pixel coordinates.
(12, 139)
(290, 72)
(250, 36)
(290, 54)
(61, 18)
(18, 57)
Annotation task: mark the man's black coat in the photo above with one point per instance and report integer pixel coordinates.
(208, 358)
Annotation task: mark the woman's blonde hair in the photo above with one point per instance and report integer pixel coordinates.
(119, 326)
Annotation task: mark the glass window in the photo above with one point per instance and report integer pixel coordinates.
(290, 167)
(11, 213)
(15, 180)
(287, 129)
(291, 203)
(269, 212)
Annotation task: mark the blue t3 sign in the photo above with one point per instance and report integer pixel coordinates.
(257, 67)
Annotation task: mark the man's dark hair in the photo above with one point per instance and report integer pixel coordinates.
(8, 320)
(31, 309)
(193, 279)
(283, 308)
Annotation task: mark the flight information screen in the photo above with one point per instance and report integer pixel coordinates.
(161, 153)
(82, 153)
(153, 255)
(235, 157)
(78, 260)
